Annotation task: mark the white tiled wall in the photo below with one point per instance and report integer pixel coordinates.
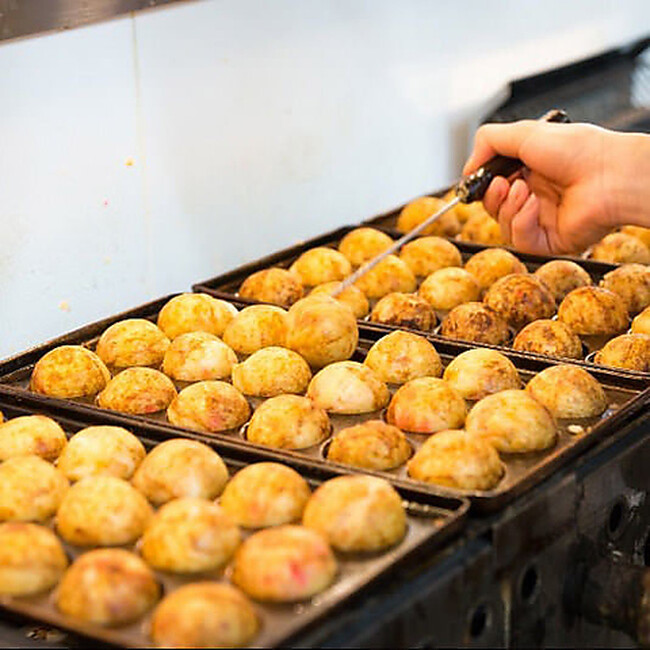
(142, 154)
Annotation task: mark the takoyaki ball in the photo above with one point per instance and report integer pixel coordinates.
(32, 559)
(641, 324)
(455, 459)
(31, 434)
(69, 371)
(101, 451)
(256, 327)
(102, 511)
(320, 264)
(561, 277)
(642, 234)
(568, 392)
(204, 615)
(189, 535)
(404, 310)
(629, 351)
(321, 330)
(477, 373)
(284, 564)
(138, 390)
(417, 211)
(348, 387)
(132, 342)
(476, 322)
(272, 371)
(428, 254)
(481, 228)
(370, 445)
(195, 312)
(351, 297)
(265, 494)
(520, 299)
(180, 468)
(591, 311)
(276, 286)
(632, 283)
(448, 288)
(108, 586)
(389, 276)
(426, 405)
(363, 244)
(620, 248)
(492, 264)
(551, 337)
(512, 421)
(399, 357)
(197, 356)
(209, 407)
(357, 513)
(288, 422)
(31, 489)
(465, 211)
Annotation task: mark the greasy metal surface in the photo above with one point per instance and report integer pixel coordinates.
(428, 527)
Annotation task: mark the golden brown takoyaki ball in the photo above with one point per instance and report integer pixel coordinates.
(550, 337)
(520, 299)
(348, 387)
(476, 322)
(417, 211)
(362, 244)
(351, 296)
(404, 310)
(288, 422)
(371, 445)
(481, 228)
(265, 494)
(568, 392)
(620, 248)
(102, 511)
(321, 330)
(357, 513)
(629, 351)
(180, 468)
(31, 434)
(284, 564)
(101, 451)
(204, 615)
(641, 324)
(428, 254)
(477, 373)
(561, 277)
(632, 283)
(189, 535)
(276, 286)
(272, 371)
(491, 264)
(426, 405)
(513, 422)
(465, 211)
(108, 586)
(399, 357)
(32, 559)
(320, 264)
(138, 390)
(195, 312)
(256, 327)
(197, 356)
(69, 371)
(642, 234)
(593, 311)
(132, 342)
(208, 407)
(388, 276)
(31, 489)
(448, 288)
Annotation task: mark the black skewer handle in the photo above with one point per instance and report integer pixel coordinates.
(473, 187)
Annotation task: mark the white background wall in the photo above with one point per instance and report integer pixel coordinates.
(143, 154)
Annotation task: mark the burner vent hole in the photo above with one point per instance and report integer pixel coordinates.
(617, 518)
(529, 586)
(479, 621)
